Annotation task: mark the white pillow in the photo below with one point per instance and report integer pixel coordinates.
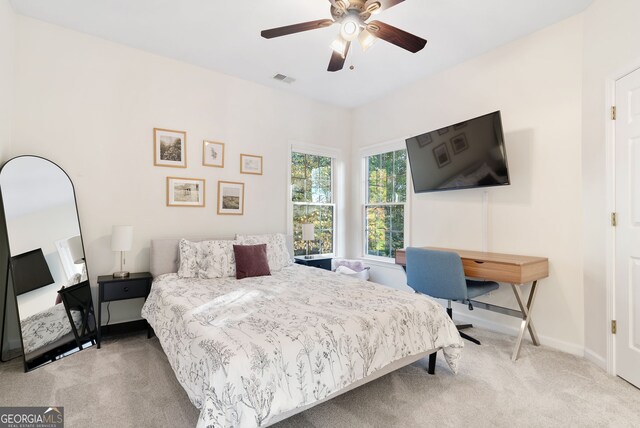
(218, 259)
(277, 252)
(207, 259)
(190, 254)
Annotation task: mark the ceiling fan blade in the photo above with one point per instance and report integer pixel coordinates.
(296, 28)
(375, 6)
(396, 36)
(337, 61)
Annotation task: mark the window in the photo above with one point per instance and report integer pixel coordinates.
(385, 200)
(312, 197)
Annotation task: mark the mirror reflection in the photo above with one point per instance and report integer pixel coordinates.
(48, 268)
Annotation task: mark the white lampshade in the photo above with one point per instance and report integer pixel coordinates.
(308, 232)
(121, 238)
(366, 39)
(340, 45)
(75, 249)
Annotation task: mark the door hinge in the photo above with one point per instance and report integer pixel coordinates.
(614, 219)
(614, 113)
(614, 326)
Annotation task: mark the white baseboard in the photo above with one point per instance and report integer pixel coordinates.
(596, 359)
(560, 345)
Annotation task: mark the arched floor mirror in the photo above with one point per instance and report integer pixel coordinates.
(47, 306)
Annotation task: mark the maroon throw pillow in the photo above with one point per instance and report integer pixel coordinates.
(251, 260)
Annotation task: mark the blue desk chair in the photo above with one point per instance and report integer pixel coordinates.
(440, 274)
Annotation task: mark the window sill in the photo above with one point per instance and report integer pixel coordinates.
(379, 261)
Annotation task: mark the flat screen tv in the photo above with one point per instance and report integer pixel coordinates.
(466, 155)
(30, 271)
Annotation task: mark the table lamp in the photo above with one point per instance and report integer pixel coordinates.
(75, 249)
(30, 271)
(121, 240)
(308, 234)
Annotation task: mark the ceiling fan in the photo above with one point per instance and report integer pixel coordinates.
(352, 15)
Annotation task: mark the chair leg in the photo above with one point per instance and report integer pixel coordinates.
(469, 338)
(462, 326)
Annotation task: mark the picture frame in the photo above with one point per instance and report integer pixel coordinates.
(213, 154)
(443, 131)
(459, 126)
(185, 192)
(169, 148)
(230, 198)
(441, 154)
(424, 140)
(250, 164)
(459, 143)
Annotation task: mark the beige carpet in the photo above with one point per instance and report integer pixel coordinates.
(128, 383)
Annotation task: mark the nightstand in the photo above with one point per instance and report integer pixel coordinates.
(136, 285)
(322, 262)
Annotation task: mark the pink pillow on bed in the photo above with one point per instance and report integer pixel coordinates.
(251, 260)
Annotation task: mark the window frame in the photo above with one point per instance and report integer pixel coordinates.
(365, 153)
(314, 150)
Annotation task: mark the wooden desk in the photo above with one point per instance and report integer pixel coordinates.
(513, 269)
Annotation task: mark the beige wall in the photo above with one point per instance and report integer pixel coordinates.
(536, 84)
(91, 105)
(7, 63)
(611, 34)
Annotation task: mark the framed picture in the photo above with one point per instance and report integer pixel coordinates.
(230, 198)
(251, 164)
(424, 140)
(441, 153)
(213, 154)
(185, 192)
(459, 125)
(443, 131)
(459, 143)
(169, 148)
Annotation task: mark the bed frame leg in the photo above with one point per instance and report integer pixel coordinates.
(432, 363)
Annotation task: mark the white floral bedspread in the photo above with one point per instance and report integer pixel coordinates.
(248, 350)
(46, 327)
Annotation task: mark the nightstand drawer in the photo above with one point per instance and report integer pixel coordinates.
(120, 290)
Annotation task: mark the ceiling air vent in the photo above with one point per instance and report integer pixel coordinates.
(283, 78)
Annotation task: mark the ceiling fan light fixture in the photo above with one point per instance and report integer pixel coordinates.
(366, 39)
(340, 46)
(374, 8)
(350, 28)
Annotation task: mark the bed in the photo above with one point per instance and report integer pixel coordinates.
(47, 330)
(255, 351)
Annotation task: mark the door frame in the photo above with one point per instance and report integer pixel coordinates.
(610, 149)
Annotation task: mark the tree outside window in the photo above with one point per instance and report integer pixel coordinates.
(312, 197)
(386, 187)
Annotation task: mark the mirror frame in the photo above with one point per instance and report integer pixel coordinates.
(62, 350)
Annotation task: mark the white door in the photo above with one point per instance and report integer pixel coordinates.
(627, 265)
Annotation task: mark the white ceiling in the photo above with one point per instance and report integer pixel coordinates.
(225, 36)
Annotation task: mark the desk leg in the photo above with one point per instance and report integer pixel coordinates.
(526, 318)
